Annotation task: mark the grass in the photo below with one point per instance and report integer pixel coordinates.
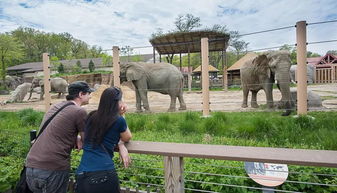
(260, 129)
(267, 129)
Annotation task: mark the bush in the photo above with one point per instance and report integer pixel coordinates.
(60, 68)
(30, 117)
(91, 66)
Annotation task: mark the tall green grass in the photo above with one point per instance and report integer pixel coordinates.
(263, 129)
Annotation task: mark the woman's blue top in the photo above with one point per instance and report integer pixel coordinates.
(95, 157)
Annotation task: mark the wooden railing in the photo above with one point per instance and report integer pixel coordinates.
(174, 154)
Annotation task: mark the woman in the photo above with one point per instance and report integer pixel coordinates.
(105, 129)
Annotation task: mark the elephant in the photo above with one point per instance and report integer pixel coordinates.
(57, 84)
(159, 77)
(19, 93)
(261, 72)
(310, 73)
(314, 100)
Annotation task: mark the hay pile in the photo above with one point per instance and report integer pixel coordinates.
(128, 93)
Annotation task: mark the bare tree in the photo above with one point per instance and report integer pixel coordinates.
(186, 23)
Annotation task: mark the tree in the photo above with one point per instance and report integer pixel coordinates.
(78, 64)
(186, 23)
(10, 49)
(238, 45)
(333, 52)
(91, 66)
(60, 68)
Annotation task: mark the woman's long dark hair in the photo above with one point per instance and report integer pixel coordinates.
(100, 121)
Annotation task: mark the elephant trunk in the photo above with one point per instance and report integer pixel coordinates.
(30, 92)
(283, 81)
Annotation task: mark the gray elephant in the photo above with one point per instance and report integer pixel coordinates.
(310, 73)
(58, 85)
(261, 72)
(159, 77)
(314, 100)
(19, 93)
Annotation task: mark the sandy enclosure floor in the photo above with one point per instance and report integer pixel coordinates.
(220, 100)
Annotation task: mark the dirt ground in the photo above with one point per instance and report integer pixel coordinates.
(220, 100)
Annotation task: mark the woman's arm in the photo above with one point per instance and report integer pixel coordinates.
(126, 135)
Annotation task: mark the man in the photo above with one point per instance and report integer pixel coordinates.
(48, 161)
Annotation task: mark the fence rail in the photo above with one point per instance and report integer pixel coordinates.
(174, 154)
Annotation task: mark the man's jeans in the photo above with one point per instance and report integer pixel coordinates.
(47, 181)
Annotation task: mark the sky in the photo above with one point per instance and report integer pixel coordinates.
(108, 23)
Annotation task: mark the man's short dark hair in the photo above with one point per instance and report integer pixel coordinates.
(76, 87)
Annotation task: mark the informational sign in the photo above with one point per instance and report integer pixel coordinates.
(267, 174)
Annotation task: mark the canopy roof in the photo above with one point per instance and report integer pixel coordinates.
(210, 69)
(189, 42)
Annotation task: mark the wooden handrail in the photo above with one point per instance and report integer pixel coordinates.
(321, 158)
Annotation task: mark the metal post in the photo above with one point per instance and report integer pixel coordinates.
(116, 67)
(301, 38)
(159, 57)
(46, 81)
(205, 77)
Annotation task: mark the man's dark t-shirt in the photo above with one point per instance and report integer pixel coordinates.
(51, 151)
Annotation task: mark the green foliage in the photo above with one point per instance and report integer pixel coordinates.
(91, 66)
(78, 64)
(30, 117)
(76, 69)
(63, 45)
(9, 172)
(11, 49)
(262, 129)
(60, 68)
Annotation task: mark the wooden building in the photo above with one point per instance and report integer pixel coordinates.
(325, 68)
(233, 72)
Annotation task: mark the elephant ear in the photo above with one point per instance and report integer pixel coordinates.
(261, 64)
(134, 72)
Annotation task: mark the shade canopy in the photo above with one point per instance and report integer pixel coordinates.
(189, 42)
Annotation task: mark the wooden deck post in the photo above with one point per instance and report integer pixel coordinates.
(205, 77)
(116, 67)
(301, 38)
(174, 178)
(46, 80)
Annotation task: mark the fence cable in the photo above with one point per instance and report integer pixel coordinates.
(240, 186)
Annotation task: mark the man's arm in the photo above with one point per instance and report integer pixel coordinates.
(80, 140)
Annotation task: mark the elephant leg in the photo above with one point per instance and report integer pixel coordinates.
(41, 95)
(143, 96)
(182, 102)
(138, 102)
(268, 89)
(245, 97)
(254, 101)
(173, 103)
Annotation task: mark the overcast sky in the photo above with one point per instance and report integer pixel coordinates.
(108, 23)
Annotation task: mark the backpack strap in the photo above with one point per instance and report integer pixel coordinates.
(49, 120)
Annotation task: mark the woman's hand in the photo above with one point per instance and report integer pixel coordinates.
(124, 155)
(122, 108)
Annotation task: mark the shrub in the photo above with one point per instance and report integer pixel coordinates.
(30, 117)
(60, 68)
(91, 66)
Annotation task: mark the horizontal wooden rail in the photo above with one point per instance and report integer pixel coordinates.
(322, 158)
